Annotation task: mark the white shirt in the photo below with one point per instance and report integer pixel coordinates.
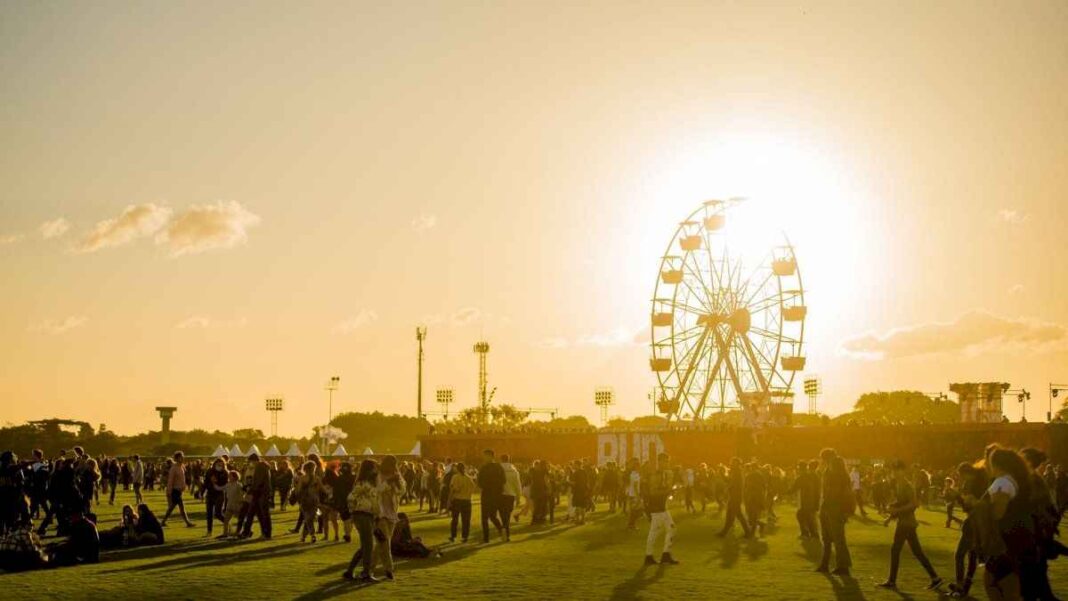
(854, 477)
(1003, 484)
(689, 477)
(635, 484)
(512, 485)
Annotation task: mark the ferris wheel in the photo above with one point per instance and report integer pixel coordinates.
(725, 334)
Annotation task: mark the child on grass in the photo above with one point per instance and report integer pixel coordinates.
(232, 498)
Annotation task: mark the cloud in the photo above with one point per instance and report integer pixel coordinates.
(972, 332)
(1016, 289)
(202, 322)
(1013, 216)
(207, 227)
(350, 325)
(136, 221)
(620, 336)
(54, 228)
(424, 222)
(56, 327)
(9, 239)
(466, 316)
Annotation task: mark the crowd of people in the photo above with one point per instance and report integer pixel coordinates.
(1007, 505)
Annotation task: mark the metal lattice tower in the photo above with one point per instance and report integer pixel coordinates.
(482, 349)
(812, 390)
(274, 405)
(604, 398)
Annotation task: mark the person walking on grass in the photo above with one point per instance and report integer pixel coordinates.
(461, 487)
(364, 504)
(512, 490)
(309, 490)
(491, 481)
(735, 492)
(214, 485)
(904, 511)
(391, 486)
(137, 478)
(660, 523)
(835, 508)
(176, 485)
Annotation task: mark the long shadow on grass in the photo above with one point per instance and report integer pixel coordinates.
(185, 562)
(846, 589)
(630, 588)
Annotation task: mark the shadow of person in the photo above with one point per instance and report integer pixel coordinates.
(846, 589)
(813, 549)
(755, 549)
(629, 589)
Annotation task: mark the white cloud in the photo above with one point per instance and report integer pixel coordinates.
(202, 322)
(424, 222)
(361, 319)
(1016, 289)
(1013, 216)
(56, 327)
(972, 332)
(466, 316)
(207, 227)
(136, 221)
(620, 336)
(54, 228)
(9, 239)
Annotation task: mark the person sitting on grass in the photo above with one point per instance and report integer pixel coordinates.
(82, 544)
(127, 533)
(406, 545)
(148, 524)
(20, 548)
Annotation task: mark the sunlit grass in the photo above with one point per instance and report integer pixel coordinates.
(599, 560)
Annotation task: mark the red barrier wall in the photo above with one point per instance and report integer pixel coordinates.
(934, 445)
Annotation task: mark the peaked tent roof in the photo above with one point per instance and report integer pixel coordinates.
(368, 451)
(340, 451)
(273, 451)
(313, 449)
(253, 449)
(236, 451)
(294, 451)
(219, 451)
(417, 450)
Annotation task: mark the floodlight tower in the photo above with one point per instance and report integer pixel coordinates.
(165, 414)
(331, 386)
(420, 336)
(444, 398)
(604, 397)
(813, 387)
(274, 405)
(482, 349)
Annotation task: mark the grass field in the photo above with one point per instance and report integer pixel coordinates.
(599, 560)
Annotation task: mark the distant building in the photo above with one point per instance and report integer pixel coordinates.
(980, 402)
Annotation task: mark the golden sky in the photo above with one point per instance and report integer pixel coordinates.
(205, 204)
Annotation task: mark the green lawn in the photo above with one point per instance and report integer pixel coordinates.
(599, 560)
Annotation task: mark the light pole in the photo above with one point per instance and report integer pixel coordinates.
(604, 397)
(420, 335)
(331, 386)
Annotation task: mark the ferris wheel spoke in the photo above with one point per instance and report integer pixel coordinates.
(773, 335)
(764, 304)
(695, 270)
(755, 291)
(727, 360)
(685, 307)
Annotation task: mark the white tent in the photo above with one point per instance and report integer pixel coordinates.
(313, 450)
(368, 451)
(273, 452)
(236, 451)
(417, 450)
(219, 451)
(253, 449)
(294, 451)
(339, 451)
